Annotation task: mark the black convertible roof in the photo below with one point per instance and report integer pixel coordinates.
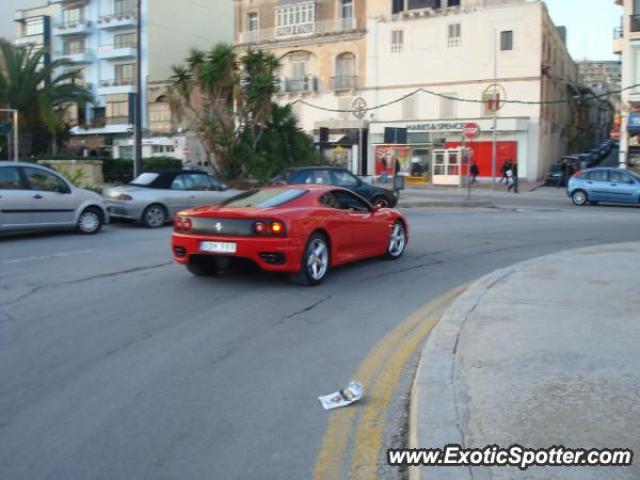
(166, 177)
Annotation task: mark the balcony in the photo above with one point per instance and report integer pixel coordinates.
(81, 27)
(116, 52)
(618, 40)
(634, 23)
(76, 55)
(343, 83)
(29, 41)
(285, 32)
(308, 84)
(118, 20)
(117, 86)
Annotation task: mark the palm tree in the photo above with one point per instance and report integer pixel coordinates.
(39, 92)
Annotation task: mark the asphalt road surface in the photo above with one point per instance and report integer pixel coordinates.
(117, 364)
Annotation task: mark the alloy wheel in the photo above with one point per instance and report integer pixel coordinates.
(397, 240)
(317, 259)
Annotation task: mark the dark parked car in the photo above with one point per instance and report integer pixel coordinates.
(553, 177)
(342, 177)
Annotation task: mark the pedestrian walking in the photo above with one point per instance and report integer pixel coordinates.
(475, 171)
(383, 175)
(564, 167)
(513, 181)
(506, 166)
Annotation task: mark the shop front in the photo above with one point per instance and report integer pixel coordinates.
(438, 152)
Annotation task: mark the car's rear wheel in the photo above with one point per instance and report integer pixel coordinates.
(579, 197)
(397, 241)
(315, 261)
(203, 266)
(90, 221)
(380, 202)
(155, 216)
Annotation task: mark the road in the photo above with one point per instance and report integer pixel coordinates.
(116, 363)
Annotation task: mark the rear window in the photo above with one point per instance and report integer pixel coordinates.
(265, 198)
(144, 179)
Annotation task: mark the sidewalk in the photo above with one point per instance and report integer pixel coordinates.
(543, 353)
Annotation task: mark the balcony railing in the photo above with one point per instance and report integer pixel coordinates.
(285, 31)
(118, 20)
(344, 82)
(635, 23)
(298, 85)
(117, 82)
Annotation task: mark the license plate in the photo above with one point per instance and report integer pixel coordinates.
(218, 247)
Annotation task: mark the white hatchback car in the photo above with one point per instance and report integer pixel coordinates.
(33, 197)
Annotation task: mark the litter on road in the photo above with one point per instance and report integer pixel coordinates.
(343, 397)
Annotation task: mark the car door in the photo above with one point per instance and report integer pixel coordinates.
(622, 188)
(179, 195)
(340, 227)
(365, 229)
(53, 201)
(596, 185)
(15, 199)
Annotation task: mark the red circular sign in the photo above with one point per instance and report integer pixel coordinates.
(471, 131)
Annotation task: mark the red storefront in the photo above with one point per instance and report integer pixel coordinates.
(482, 153)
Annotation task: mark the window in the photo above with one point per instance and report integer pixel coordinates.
(162, 149)
(397, 6)
(397, 41)
(618, 177)
(125, 73)
(45, 181)
(344, 179)
(418, 4)
(453, 35)
(123, 6)
(270, 197)
(294, 19)
(124, 40)
(252, 22)
(597, 175)
(506, 40)
(144, 179)
(118, 107)
(328, 200)
(192, 182)
(318, 177)
(10, 179)
(72, 16)
(350, 201)
(34, 26)
(447, 106)
(73, 46)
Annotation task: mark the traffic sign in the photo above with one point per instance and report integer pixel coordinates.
(494, 97)
(471, 130)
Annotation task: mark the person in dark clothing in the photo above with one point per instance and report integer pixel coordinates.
(475, 171)
(506, 166)
(514, 178)
(571, 171)
(564, 167)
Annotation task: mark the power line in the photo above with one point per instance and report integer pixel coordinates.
(575, 99)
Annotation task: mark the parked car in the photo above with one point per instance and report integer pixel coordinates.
(34, 197)
(303, 230)
(553, 176)
(342, 177)
(155, 197)
(579, 163)
(604, 185)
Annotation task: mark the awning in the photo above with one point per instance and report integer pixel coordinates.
(633, 124)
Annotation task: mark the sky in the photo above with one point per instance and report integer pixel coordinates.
(590, 23)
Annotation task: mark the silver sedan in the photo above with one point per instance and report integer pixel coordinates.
(33, 197)
(155, 197)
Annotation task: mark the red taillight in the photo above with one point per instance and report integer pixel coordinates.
(277, 228)
(260, 228)
(182, 224)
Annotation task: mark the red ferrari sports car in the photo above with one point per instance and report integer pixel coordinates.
(299, 229)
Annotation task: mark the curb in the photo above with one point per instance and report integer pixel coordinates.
(435, 204)
(433, 394)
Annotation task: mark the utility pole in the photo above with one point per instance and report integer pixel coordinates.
(137, 148)
(494, 147)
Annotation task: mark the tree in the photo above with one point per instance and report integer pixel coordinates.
(39, 92)
(228, 102)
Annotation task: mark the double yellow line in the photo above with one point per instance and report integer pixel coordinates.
(379, 373)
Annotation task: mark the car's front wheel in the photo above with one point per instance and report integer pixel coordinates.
(579, 198)
(155, 216)
(380, 202)
(315, 261)
(90, 221)
(397, 241)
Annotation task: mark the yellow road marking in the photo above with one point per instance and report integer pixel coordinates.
(376, 373)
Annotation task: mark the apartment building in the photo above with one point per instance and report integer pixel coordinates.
(383, 50)
(99, 38)
(627, 44)
(322, 49)
(602, 76)
(34, 28)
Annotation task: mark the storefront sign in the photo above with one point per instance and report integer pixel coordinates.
(437, 126)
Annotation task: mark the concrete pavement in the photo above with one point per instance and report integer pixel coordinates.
(539, 354)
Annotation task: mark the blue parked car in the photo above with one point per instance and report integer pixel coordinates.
(604, 185)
